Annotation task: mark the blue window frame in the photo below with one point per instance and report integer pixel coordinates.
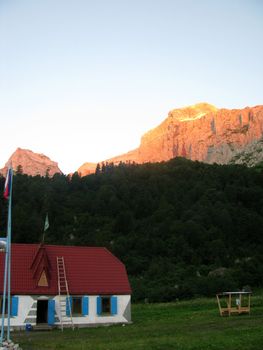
(107, 305)
(79, 306)
(13, 306)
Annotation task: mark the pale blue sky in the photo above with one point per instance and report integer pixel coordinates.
(82, 80)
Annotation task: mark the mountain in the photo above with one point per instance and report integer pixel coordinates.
(31, 163)
(202, 132)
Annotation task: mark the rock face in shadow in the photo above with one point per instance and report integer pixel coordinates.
(204, 133)
(30, 163)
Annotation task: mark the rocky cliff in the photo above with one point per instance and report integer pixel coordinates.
(87, 169)
(31, 163)
(203, 132)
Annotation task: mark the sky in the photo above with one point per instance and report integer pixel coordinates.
(83, 80)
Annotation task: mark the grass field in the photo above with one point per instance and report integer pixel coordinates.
(186, 325)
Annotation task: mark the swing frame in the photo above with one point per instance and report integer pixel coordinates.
(236, 303)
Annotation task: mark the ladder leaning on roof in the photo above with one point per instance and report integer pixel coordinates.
(64, 300)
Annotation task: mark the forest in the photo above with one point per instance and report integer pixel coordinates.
(182, 228)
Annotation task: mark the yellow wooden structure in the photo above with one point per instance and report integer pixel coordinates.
(233, 303)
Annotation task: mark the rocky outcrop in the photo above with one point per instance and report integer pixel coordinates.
(203, 132)
(183, 133)
(250, 154)
(30, 163)
(87, 169)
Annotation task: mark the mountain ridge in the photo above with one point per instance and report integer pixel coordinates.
(199, 132)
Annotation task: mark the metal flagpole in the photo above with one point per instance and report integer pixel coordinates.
(9, 233)
(4, 294)
(7, 273)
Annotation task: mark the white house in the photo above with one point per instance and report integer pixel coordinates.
(66, 286)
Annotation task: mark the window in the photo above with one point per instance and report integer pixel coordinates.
(13, 305)
(43, 282)
(76, 306)
(107, 305)
(79, 306)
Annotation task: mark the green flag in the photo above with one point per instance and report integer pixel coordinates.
(46, 226)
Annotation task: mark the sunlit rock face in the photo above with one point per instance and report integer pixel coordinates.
(87, 169)
(200, 132)
(30, 163)
(203, 132)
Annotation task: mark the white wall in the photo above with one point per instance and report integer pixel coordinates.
(27, 304)
(123, 315)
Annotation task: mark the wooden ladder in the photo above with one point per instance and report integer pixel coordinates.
(63, 293)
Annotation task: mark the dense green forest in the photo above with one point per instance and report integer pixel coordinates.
(182, 228)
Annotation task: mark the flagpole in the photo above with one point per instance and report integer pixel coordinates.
(4, 294)
(7, 274)
(9, 233)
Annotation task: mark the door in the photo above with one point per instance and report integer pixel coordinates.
(42, 311)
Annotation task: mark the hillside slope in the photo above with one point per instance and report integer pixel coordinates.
(181, 227)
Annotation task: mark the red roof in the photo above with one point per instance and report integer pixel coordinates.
(89, 270)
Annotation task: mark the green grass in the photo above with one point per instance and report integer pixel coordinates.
(186, 325)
